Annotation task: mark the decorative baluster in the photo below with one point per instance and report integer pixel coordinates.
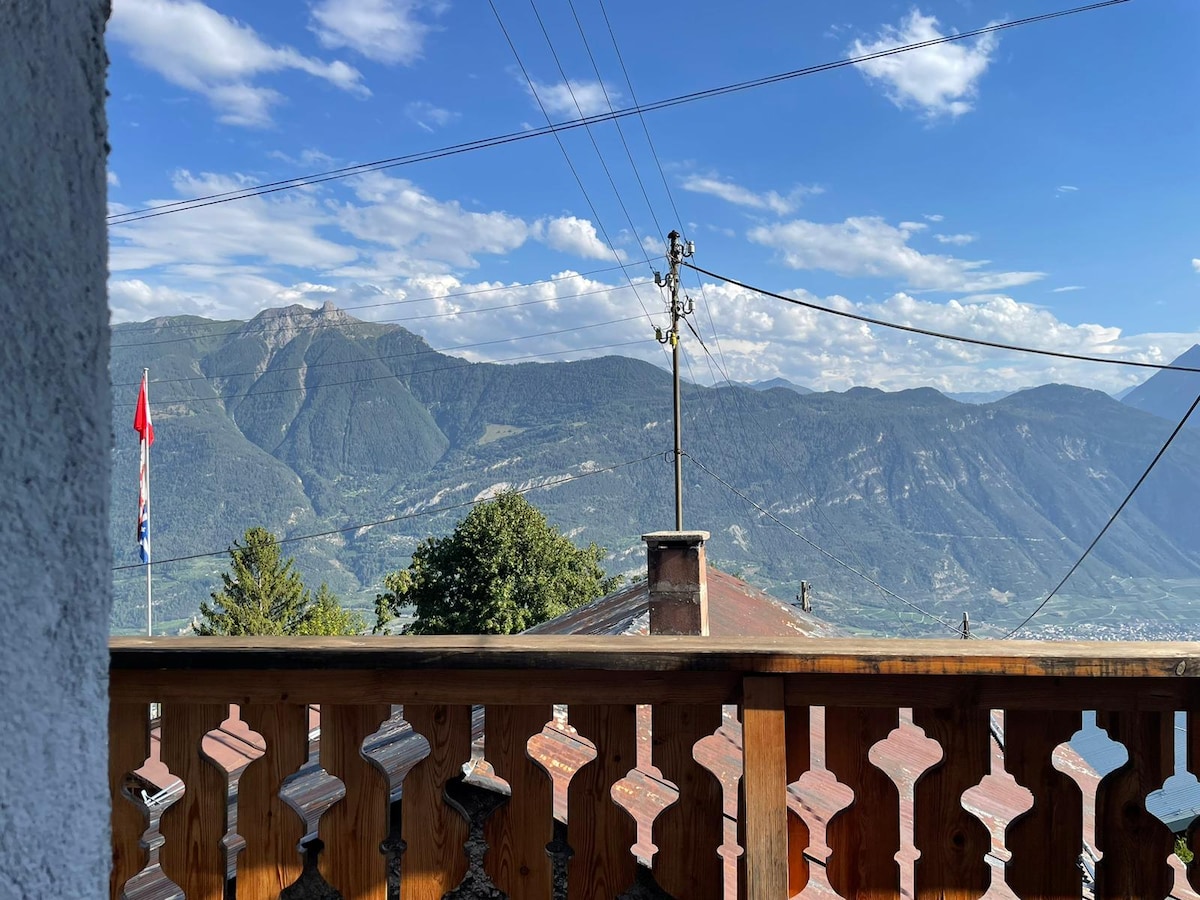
(952, 842)
(128, 747)
(798, 728)
(689, 832)
(600, 832)
(1045, 841)
(193, 827)
(1135, 843)
(354, 828)
(518, 832)
(271, 829)
(434, 862)
(864, 837)
(763, 811)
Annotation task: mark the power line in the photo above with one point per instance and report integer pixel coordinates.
(563, 148)
(555, 128)
(595, 145)
(462, 364)
(390, 356)
(616, 122)
(912, 329)
(845, 565)
(152, 326)
(432, 511)
(1111, 519)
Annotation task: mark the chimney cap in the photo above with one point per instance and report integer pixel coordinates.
(676, 537)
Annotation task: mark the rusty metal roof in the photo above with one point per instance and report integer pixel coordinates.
(735, 609)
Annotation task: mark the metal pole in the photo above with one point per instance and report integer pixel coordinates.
(676, 257)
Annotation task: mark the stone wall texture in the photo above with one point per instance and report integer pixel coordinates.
(55, 579)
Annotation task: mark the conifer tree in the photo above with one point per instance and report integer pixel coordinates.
(263, 595)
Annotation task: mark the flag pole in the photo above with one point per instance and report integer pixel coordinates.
(149, 596)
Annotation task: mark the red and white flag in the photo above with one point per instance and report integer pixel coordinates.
(145, 429)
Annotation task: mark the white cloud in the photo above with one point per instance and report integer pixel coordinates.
(111, 177)
(283, 230)
(560, 98)
(428, 116)
(197, 48)
(1196, 264)
(941, 80)
(309, 158)
(574, 235)
(958, 240)
(730, 192)
(869, 246)
(420, 232)
(1067, 289)
(1066, 189)
(386, 31)
(933, 217)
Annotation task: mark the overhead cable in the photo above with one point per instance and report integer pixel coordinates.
(845, 565)
(1111, 519)
(555, 481)
(390, 376)
(912, 329)
(135, 215)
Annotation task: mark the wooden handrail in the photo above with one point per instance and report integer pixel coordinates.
(952, 688)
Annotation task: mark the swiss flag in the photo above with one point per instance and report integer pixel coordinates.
(141, 419)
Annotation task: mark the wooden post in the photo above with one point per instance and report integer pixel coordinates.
(764, 788)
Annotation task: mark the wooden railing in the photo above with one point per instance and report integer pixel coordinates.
(968, 697)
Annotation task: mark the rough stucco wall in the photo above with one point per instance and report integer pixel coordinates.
(55, 583)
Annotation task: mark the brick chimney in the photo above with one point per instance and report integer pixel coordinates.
(678, 582)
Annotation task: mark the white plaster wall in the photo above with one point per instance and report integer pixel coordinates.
(55, 586)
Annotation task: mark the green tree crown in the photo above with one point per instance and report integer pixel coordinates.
(263, 595)
(503, 569)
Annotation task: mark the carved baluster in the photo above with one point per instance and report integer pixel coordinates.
(798, 730)
(128, 747)
(1134, 842)
(194, 825)
(600, 832)
(354, 828)
(271, 829)
(1045, 841)
(953, 843)
(434, 862)
(863, 838)
(689, 832)
(518, 832)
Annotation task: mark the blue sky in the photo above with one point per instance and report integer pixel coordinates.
(1037, 186)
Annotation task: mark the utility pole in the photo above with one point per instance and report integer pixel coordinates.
(805, 600)
(966, 626)
(676, 253)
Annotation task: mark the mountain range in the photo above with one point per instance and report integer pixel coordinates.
(311, 422)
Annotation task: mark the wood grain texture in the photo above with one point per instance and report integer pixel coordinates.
(434, 862)
(1045, 841)
(665, 653)
(689, 832)
(128, 748)
(518, 832)
(1193, 765)
(271, 829)
(952, 842)
(798, 728)
(354, 827)
(193, 826)
(764, 789)
(1134, 842)
(865, 837)
(599, 831)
